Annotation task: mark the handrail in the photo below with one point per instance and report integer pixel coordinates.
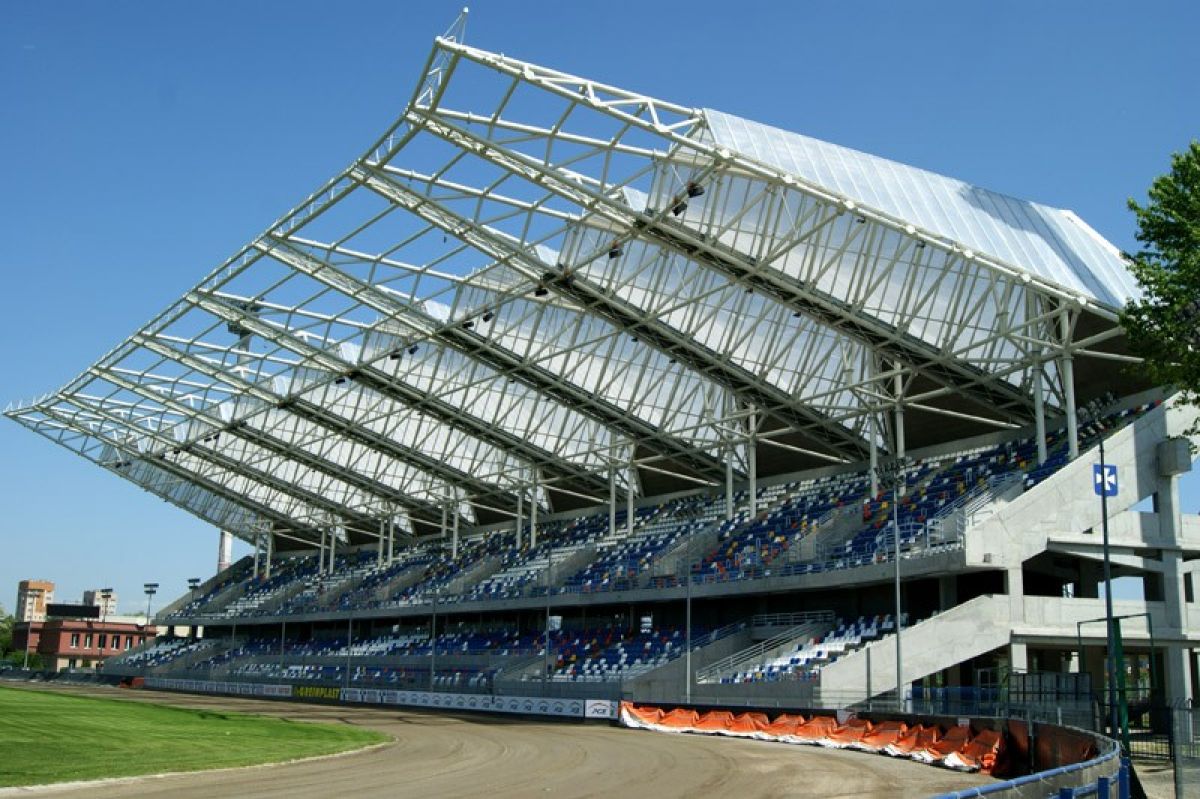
(755, 652)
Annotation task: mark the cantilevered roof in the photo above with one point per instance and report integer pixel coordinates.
(1051, 243)
(535, 287)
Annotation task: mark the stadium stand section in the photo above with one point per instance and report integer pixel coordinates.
(655, 402)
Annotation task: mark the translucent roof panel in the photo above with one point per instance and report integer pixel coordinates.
(1051, 243)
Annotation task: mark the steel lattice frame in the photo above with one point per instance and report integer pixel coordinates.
(533, 280)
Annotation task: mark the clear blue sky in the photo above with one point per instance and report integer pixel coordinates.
(141, 143)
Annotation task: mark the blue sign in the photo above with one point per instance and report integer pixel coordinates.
(1104, 483)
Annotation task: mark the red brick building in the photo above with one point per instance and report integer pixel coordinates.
(80, 643)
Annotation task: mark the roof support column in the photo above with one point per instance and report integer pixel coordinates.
(257, 552)
(332, 549)
(629, 492)
(270, 555)
(728, 482)
(391, 554)
(874, 456)
(1039, 402)
(454, 533)
(224, 550)
(533, 508)
(898, 385)
(520, 516)
(612, 495)
(752, 462)
(445, 526)
(382, 538)
(1067, 371)
(321, 553)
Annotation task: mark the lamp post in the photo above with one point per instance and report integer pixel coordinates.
(1110, 624)
(895, 472)
(34, 595)
(687, 576)
(151, 589)
(193, 584)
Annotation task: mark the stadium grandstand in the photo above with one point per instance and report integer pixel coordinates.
(560, 390)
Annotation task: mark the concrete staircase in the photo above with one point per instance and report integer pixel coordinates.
(961, 633)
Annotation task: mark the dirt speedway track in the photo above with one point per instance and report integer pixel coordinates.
(439, 755)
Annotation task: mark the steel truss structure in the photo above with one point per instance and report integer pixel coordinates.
(535, 287)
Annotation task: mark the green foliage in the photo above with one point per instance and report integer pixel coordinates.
(52, 737)
(6, 630)
(1164, 325)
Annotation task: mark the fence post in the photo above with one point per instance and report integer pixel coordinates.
(1066, 793)
(1102, 789)
(1123, 779)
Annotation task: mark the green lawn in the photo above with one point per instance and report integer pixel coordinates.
(51, 737)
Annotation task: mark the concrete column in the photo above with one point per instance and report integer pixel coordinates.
(898, 385)
(454, 533)
(1018, 657)
(1014, 582)
(270, 554)
(947, 592)
(1091, 575)
(321, 553)
(257, 553)
(224, 551)
(1173, 460)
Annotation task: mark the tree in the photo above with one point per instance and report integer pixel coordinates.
(1163, 326)
(6, 631)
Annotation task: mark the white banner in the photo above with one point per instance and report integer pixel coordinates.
(532, 705)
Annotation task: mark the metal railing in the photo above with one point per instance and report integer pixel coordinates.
(806, 624)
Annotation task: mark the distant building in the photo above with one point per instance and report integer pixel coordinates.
(104, 598)
(32, 598)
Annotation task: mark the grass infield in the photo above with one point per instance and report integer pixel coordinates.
(49, 737)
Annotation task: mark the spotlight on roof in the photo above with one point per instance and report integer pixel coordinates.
(615, 252)
(678, 208)
(412, 350)
(394, 355)
(340, 381)
(541, 291)
(694, 189)
(488, 316)
(467, 325)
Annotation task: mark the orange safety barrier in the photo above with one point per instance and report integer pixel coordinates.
(850, 732)
(637, 716)
(816, 729)
(954, 740)
(680, 720)
(981, 754)
(881, 735)
(748, 724)
(714, 721)
(915, 739)
(783, 725)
